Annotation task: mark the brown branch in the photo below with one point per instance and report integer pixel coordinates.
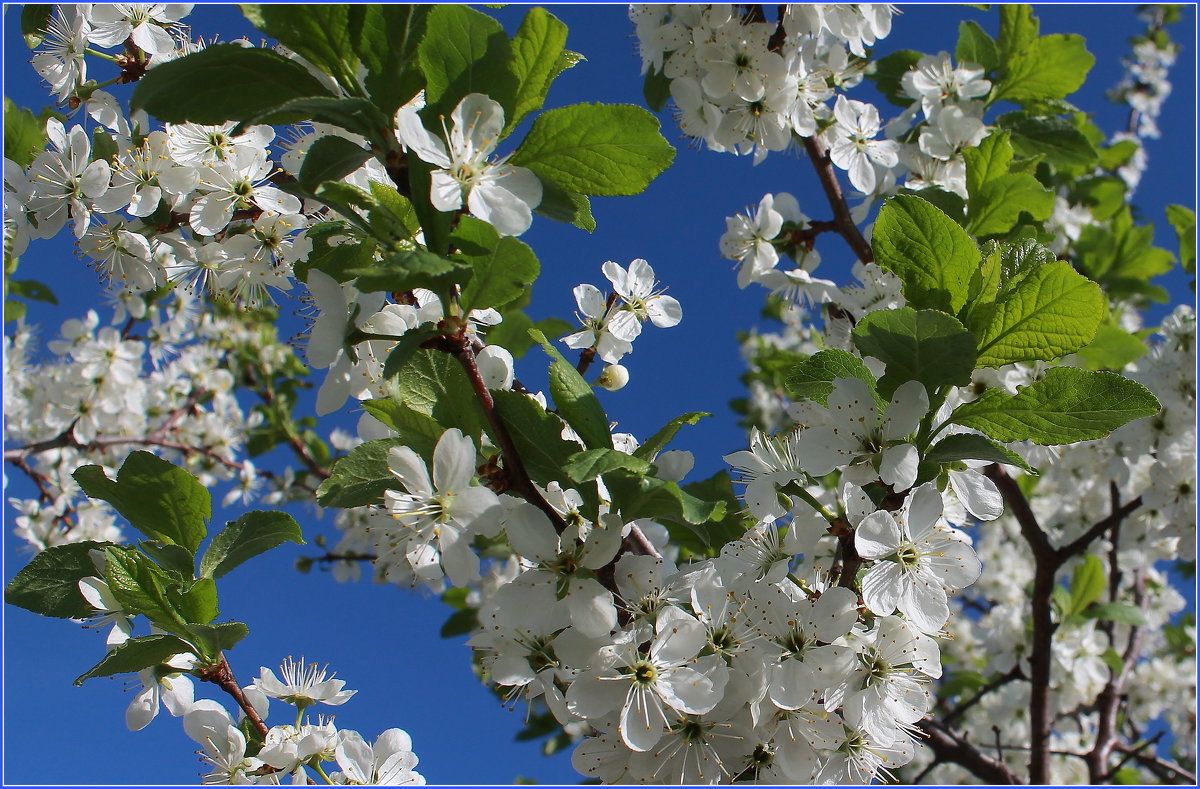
(267, 393)
(519, 481)
(1129, 755)
(221, 675)
(1119, 513)
(1164, 770)
(842, 220)
(950, 747)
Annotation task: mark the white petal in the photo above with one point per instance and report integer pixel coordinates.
(877, 536)
(591, 607)
(664, 311)
(882, 588)
(909, 404)
(978, 494)
(453, 462)
(410, 469)
(898, 466)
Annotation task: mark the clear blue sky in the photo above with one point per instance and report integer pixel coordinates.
(382, 640)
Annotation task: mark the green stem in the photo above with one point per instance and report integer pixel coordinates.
(321, 772)
(100, 54)
(794, 489)
(299, 715)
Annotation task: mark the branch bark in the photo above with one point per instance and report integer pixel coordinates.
(842, 221)
(950, 747)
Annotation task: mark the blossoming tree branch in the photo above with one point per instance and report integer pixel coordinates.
(943, 553)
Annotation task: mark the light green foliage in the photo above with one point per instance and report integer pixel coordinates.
(49, 584)
(24, 133)
(247, 537)
(537, 436)
(137, 654)
(658, 442)
(1035, 68)
(596, 149)
(433, 383)
(591, 463)
(917, 345)
(1121, 257)
(1112, 348)
(361, 476)
(464, 51)
(927, 250)
(1183, 219)
(999, 196)
(1057, 140)
(574, 398)
(813, 378)
(318, 32)
(160, 500)
(976, 46)
(1066, 406)
(504, 267)
(537, 48)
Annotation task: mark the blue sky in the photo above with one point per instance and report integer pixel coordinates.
(383, 641)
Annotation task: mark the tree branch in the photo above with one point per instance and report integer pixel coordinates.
(998, 682)
(842, 220)
(949, 747)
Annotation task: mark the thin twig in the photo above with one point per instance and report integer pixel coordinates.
(842, 220)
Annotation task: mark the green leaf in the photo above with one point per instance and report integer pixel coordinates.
(330, 158)
(1104, 195)
(971, 446)
(1112, 349)
(386, 37)
(1117, 155)
(248, 536)
(49, 584)
(230, 633)
(960, 684)
(1057, 140)
(537, 435)
(505, 267)
(720, 530)
(1053, 311)
(460, 623)
(1183, 219)
(563, 205)
(14, 310)
(889, 71)
(1088, 582)
(917, 345)
(160, 500)
(637, 497)
(137, 654)
(357, 115)
(1018, 29)
(463, 52)
(35, 18)
(1120, 255)
(1116, 612)
(988, 160)
(1037, 68)
(31, 289)
(393, 214)
(656, 88)
(170, 557)
(813, 378)
(927, 250)
(434, 223)
(410, 342)
(318, 32)
(596, 149)
(141, 587)
(337, 261)
(360, 477)
(405, 270)
(1116, 664)
(1066, 406)
(536, 48)
(587, 465)
(976, 46)
(198, 604)
(418, 430)
(998, 205)
(24, 133)
(197, 87)
(658, 442)
(574, 398)
(433, 383)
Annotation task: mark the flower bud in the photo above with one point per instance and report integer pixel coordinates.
(613, 378)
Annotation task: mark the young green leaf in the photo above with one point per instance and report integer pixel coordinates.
(419, 431)
(196, 87)
(636, 496)
(49, 584)
(408, 269)
(505, 267)
(537, 435)
(1088, 583)
(1066, 406)
(433, 383)
(1116, 612)
(1112, 348)
(591, 463)
(1183, 219)
(386, 36)
(917, 345)
(596, 149)
(318, 32)
(976, 46)
(1053, 311)
(536, 48)
(161, 500)
(463, 52)
(563, 205)
(658, 442)
(361, 477)
(248, 536)
(24, 133)
(35, 18)
(927, 250)
(972, 446)
(330, 158)
(1057, 140)
(142, 587)
(574, 398)
(136, 654)
(813, 378)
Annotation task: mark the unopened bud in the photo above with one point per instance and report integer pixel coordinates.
(613, 378)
